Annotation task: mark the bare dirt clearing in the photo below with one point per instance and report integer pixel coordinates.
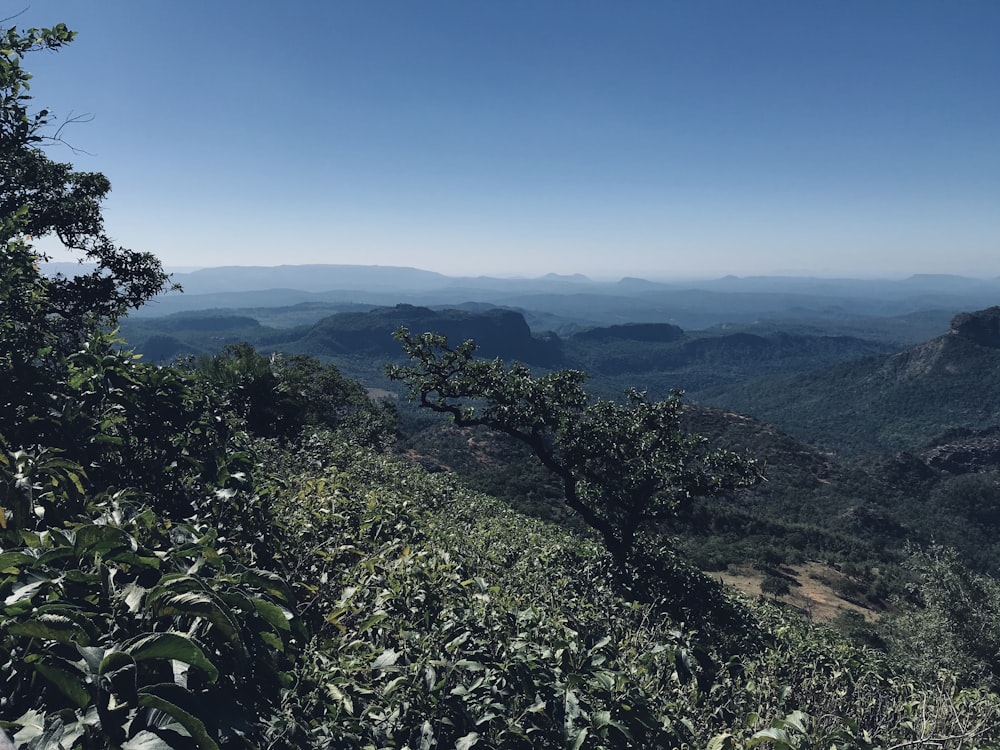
(814, 588)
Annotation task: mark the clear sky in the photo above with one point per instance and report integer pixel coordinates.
(521, 137)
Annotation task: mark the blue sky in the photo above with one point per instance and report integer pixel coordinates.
(660, 139)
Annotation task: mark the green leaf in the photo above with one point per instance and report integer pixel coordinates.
(600, 644)
(171, 646)
(604, 680)
(270, 582)
(387, 658)
(371, 622)
(69, 683)
(778, 736)
(95, 539)
(10, 560)
(196, 604)
(160, 697)
(52, 627)
(275, 616)
(722, 741)
(92, 655)
(464, 743)
(798, 720)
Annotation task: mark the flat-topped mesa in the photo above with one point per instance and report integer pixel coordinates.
(981, 327)
(652, 332)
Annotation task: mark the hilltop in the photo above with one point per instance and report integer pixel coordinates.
(886, 403)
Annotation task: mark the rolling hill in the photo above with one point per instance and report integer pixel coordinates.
(886, 403)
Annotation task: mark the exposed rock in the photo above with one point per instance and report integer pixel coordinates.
(966, 453)
(982, 327)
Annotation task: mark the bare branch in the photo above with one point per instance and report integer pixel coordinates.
(16, 15)
(71, 119)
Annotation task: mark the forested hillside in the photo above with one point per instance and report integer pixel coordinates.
(890, 403)
(227, 553)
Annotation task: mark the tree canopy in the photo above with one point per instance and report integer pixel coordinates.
(40, 197)
(625, 467)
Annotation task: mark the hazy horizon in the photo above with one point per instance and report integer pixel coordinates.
(654, 139)
(653, 277)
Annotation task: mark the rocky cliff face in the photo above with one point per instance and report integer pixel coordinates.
(982, 327)
(965, 451)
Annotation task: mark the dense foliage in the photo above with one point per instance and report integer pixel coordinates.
(624, 467)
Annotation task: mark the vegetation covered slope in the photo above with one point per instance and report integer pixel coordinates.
(890, 403)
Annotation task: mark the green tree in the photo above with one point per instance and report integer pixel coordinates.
(624, 467)
(41, 197)
(279, 396)
(956, 610)
(45, 321)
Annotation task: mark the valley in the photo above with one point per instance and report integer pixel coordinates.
(870, 428)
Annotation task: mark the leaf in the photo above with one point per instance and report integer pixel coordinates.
(270, 582)
(95, 539)
(394, 685)
(722, 741)
(464, 743)
(70, 684)
(146, 740)
(370, 622)
(777, 736)
(388, 658)
(581, 737)
(171, 646)
(159, 697)
(275, 616)
(32, 725)
(53, 627)
(430, 677)
(426, 736)
(571, 705)
(24, 592)
(133, 594)
(604, 680)
(9, 560)
(600, 644)
(452, 645)
(196, 604)
(798, 720)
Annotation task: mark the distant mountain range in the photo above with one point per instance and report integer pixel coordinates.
(567, 303)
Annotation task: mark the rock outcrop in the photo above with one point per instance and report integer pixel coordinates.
(966, 451)
(981, 327)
